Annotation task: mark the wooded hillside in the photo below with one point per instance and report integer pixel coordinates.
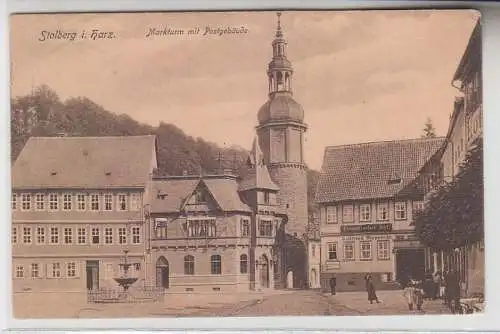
(42, 113)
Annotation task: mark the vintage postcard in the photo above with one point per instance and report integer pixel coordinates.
(295, 163)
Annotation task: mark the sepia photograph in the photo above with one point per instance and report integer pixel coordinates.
(246, 164)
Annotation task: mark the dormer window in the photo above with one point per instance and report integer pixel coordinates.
(199, 197)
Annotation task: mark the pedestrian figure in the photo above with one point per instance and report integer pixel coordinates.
(446, 290)
(414, 294)
(436, 278)
(370, 288)
(442, 288)
(333, 285)
(453, 290)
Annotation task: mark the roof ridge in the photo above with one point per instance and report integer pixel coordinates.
(386, 142)
(89, 137)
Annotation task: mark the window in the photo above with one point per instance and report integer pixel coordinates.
(245, 227)
(122, 202)
(215, 265)
(243, 264)
(95, 235)
(108, 235)
(188, 265)
(331, 214)
(14, 201)
(135, 199)
(161, 225)
(68, 235)
(82, 235)
(347, 213)
(80, 202)
(267, 199)
(364, 212)
(94, 202)
(40, 235)
(122, 235)
(35, 270)
(400, 210)
(19, 271)
(383, 249)
(349, 251)
(201, 228)
(40, 202)
(14, 235)
(418, 207)
(56, 270)
(67, 202)
(313, 250)
(26, 235)
(26, 202)
(365, 250)
(136, 235)
(266, 228)
(71, 269)
(53, 202)
(382, 211)
(108, 202)
(332, 251)
(54, 235)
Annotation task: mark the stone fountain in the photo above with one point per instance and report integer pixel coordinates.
(125, 281)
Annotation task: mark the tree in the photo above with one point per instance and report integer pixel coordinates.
(454, 213)
(429, 131)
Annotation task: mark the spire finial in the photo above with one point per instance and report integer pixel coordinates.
(279, 33)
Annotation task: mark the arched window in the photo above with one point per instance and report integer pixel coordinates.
(243, 264)
(216, 265)
(188, 265)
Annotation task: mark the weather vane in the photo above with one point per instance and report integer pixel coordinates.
(278, 32)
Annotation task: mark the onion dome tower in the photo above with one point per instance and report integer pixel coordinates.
(280, 132)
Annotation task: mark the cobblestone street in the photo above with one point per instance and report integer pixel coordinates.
(270, 303)
(309, 303)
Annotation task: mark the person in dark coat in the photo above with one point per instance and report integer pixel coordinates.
(370, 288)
(333, 285)
(453, 290)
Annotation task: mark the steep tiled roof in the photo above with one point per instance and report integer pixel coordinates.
(169, 195)
(175, 191)
(258, 176)
(225, 192)
(370, 170)
(84, 162)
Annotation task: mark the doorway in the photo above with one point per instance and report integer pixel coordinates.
(92, 273)
(313, 279)
(289, 280)
(264, 272)
(410, 263)
(162, 273)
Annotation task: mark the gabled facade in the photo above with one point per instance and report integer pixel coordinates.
(465, 129)
(367, 196)
(77, 204)
(216, 232)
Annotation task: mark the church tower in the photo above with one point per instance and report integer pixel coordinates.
(281, 131)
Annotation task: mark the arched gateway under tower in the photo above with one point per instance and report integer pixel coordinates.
(281, 131)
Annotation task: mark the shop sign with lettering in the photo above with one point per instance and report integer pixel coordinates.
(365, 237)
(366, 228)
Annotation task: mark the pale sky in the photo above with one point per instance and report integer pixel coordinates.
(360, 76)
